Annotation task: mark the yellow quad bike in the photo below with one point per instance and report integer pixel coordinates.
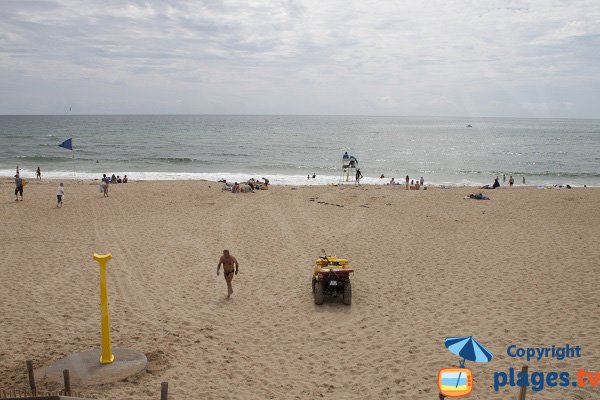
(332, 277)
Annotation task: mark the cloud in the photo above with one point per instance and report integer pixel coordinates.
(348, 57)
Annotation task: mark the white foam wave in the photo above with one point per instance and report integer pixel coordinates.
(277, 179)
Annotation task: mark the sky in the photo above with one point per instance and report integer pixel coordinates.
(537, 59)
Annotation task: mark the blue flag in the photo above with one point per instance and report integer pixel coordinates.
(67, 144)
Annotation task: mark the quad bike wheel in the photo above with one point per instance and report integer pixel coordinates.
(318, 293)
(347, 299)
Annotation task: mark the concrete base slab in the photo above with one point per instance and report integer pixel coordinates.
(85, 368)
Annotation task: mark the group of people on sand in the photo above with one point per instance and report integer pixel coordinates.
(106, 180)
(116, 179)
(411, 184)
(20, 184)
(60, 191)
(249, 186)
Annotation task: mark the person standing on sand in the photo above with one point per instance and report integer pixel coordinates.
(60, 193)
(503, 178)
(18, 187)
(228, 261)
(38, 173)
(511, 181)
(407, 179)
(523, 180)
(104, 185)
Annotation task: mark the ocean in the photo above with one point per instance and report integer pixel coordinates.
(285, 149)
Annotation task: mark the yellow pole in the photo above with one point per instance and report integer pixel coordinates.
(107, 356)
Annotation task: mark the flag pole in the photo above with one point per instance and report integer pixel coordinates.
(73, 157)
(73, 152)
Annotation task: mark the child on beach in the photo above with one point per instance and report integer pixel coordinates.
(104, 185)
(60, 193)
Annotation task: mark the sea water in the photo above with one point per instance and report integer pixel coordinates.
(286, 149)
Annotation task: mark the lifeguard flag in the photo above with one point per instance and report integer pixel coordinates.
(67, 144)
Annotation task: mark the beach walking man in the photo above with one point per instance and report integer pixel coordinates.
(18, 187)
(38, 173)
(228, 262)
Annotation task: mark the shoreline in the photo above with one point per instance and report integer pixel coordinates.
(307, 185)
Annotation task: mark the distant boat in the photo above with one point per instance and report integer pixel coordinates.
(469, 126)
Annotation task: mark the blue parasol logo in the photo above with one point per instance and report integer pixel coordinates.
(468, 348)
(458, 382)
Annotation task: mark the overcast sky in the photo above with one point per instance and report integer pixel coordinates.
(386, 57)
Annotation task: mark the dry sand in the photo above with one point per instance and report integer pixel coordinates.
(523, 268)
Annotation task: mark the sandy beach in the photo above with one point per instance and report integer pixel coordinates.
(522, 269)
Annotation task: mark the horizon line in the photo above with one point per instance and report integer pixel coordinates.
(291, 115)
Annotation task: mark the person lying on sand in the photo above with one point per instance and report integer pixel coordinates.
(228, 261)
(478, 196)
